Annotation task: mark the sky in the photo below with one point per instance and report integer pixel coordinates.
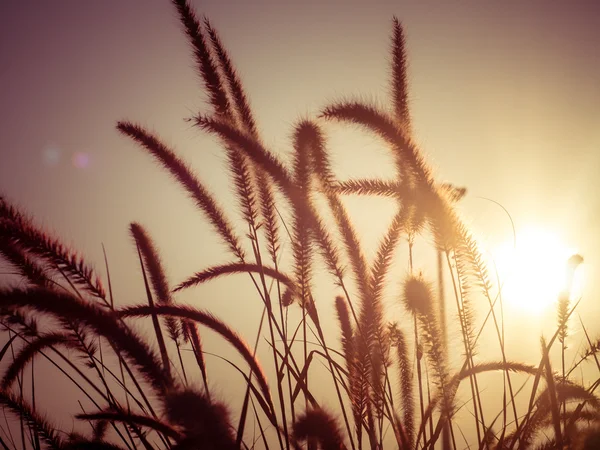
(504, 97)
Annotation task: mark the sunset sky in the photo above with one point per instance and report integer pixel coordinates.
(505, 100)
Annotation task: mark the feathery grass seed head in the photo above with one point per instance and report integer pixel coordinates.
(417, 295)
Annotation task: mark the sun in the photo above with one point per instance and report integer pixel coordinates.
(533, 270)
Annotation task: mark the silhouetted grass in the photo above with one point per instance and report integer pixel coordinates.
(396, 380)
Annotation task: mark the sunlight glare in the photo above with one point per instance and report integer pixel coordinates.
(534, 272)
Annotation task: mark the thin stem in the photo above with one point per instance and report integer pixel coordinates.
(419, 376)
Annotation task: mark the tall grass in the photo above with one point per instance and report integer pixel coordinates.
(394, 380)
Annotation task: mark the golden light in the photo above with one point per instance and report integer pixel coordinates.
(534, 271)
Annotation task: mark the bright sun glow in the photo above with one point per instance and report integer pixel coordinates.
(534, 273)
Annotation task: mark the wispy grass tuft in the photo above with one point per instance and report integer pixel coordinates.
(184, 176)
(380, 366)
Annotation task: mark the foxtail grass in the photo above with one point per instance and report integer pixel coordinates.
(395, 375)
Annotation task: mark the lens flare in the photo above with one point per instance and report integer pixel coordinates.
(51, 155)
(81, 160)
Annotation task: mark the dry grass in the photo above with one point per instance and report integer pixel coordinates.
(390, 376)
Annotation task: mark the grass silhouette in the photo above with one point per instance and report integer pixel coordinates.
(392, 374)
